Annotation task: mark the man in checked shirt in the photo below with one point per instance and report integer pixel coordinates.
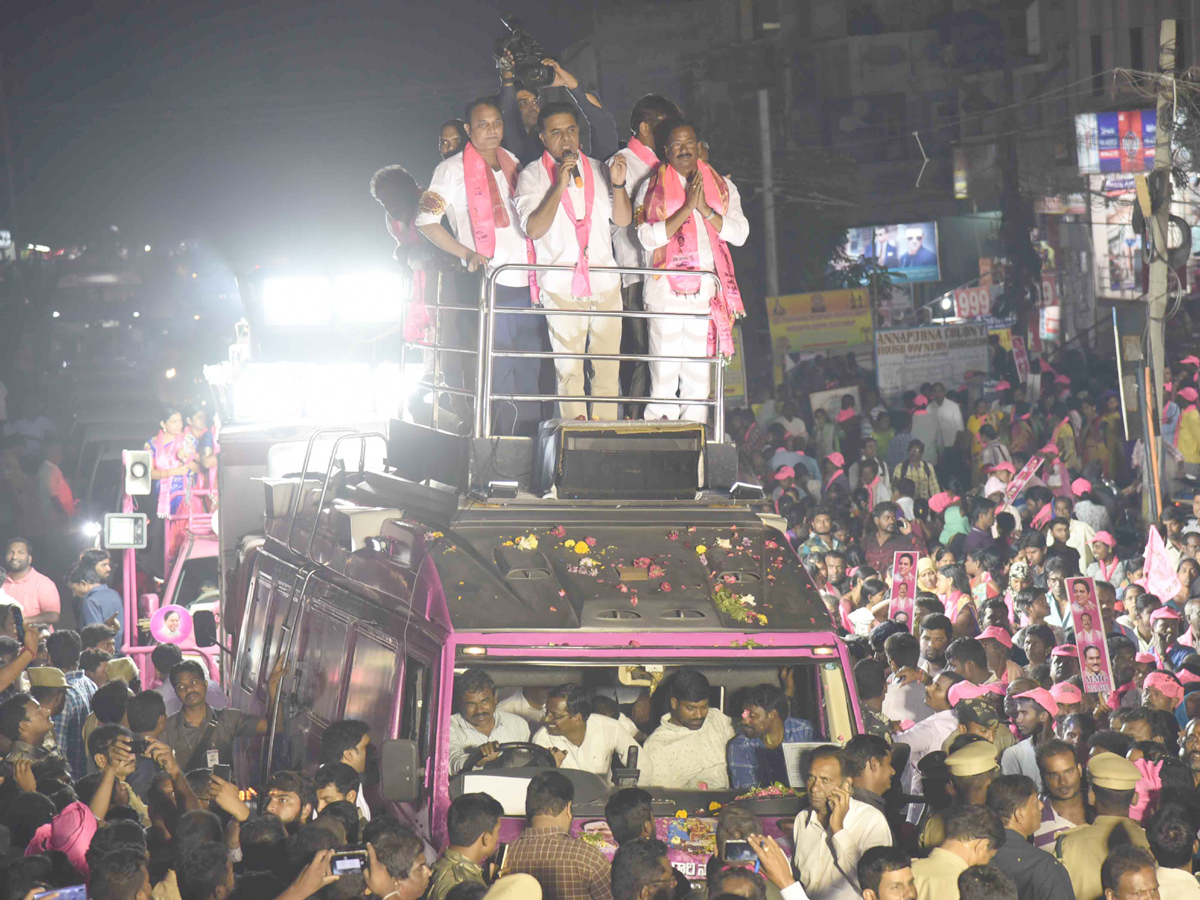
(566, 868)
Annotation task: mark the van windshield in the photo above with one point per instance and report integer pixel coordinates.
(689, 734)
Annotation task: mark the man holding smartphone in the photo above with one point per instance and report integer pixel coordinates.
(833, 834)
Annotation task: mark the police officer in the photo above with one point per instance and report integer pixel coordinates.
(1083, 850)
(1037, 874)
(972, 769)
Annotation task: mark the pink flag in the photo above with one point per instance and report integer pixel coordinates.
(1160, 578)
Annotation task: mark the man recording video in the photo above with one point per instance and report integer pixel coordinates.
(521, 105)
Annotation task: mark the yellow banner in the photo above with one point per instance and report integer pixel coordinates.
(735, 372)
(822, 322)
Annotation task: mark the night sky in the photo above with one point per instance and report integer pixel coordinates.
(253, 129)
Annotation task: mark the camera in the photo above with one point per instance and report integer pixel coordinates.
(138, 746)
(527, 54)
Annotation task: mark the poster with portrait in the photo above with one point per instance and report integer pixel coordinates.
(904, 587)
(171, 625)
(1089, 636)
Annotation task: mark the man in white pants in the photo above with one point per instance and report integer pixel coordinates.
(640, 161)
(687, 215)
(567, 204)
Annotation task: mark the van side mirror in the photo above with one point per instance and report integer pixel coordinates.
(204, 628)
(400, 776)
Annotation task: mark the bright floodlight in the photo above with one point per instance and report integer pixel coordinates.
(91, 529)
(171, 373)
(947, 303)
(268, 391)
(298, 301)
(368, 297)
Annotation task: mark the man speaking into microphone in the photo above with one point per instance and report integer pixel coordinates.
(567, 205)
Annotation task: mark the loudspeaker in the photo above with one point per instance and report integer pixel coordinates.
(137, 472)
(626, 460)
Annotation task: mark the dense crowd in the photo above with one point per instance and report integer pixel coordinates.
(1023, 642)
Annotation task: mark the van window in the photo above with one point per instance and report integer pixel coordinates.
(261, 631)
(373, 685)
(414, 712)
(197, 573)
(319, 661)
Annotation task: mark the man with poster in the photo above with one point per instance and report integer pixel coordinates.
(1095, 665)
(904, 588)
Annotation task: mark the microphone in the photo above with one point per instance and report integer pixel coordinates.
(575, 171)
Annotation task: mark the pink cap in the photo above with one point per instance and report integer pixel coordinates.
(1103, 537)
(1190, 361)
(836, 458)
(1164, 612)
(1080, 486)
(939, 502)
(845, 415)
(920, 400)
(1188, 393)
(1165, 685)
(1042, 698)
(995, 633)
(1061, 379)
(1169, 385)
(965, 690)
(1146, 659)
(1050, 448)
(1005, 467)
(784, 472)
(1186, 676)
(70, 832)
(1065, 692)
(1066, 650)
(1004, 386)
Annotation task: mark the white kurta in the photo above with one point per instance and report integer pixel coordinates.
(683, 758)
(626, 247)
(464, 736)
(828, 878)
(603, 737)
(674, 337)
(449, 183)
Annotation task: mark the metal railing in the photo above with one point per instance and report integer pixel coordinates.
(485, 353)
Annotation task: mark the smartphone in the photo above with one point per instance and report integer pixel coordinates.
(348, 861)
(225, 773)
(18, 617)
(739, 851)
(74, 892)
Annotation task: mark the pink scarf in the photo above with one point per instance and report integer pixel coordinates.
(833, 478)
(642, 152)
(664, 195)
(417, 319)
(872, 487)
(486, 207)
(581, 282)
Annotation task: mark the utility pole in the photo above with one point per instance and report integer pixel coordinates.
(6, 140)
(764, 138)
(1156, 310)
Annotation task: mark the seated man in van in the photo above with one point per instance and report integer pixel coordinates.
(756, 756)
(580, 740)
(688, 749)
(478, 723)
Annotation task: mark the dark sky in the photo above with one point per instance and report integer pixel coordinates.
(254, 128)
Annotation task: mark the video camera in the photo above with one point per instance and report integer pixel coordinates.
(527, 54)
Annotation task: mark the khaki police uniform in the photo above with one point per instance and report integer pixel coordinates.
(973, 759)
(1083, 850)
(452, 868)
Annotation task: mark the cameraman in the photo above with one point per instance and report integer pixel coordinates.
(521, 106)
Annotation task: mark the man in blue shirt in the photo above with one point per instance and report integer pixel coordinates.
(755, 757)
(100, 603)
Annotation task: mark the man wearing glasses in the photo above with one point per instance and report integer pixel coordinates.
(580, 740)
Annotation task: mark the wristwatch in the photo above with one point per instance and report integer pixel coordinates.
(711, 213)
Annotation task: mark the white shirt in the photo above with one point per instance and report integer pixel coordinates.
(924, 737)
(1021, 759)
(559, 246)
(735, 228)
(603, 737)
(794, 426)
(518, 704)
(905, 702)
(626, 249)
(683, 758)
(1177, 884)
(464, 736)
(949, 420)
(865, 827)
(449, 183)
